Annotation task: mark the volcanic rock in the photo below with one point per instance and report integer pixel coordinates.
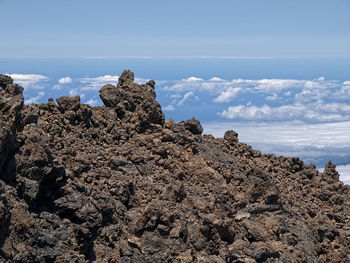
(118, 184)
(194, 126)
(135, 104)
(231, 135)
(5, 80)
(69, 103)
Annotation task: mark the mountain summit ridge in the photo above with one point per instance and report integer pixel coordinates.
(118, 183)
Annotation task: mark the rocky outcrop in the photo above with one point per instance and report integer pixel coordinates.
(118, 184)
(11, 103)
(133, 103)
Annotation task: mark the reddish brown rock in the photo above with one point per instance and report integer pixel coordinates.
(194, 126)
(118, 184)
(69, 103)
(231, 136)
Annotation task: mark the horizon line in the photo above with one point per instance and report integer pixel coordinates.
(175, 57)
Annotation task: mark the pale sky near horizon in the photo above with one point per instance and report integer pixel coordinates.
(159, 28)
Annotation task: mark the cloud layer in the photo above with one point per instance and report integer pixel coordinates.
(227, 95)
(310, 112)
(313, 143)
(317, 100)
(30, 81)
(66, 80)
(344, 171)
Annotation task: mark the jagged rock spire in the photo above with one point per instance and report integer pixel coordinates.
(126, 78)
(133, 102)
(330, 171)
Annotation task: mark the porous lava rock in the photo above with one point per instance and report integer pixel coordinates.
(134, 104)
(118, 184)
(69, 103)
(231, 136)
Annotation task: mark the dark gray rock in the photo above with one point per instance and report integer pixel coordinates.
(193, 126)
(330, 171)
(110, 95)
(231, 136)
(5, 80)
(69, 103)
(132, 102)
(126, 78)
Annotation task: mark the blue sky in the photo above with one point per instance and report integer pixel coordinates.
(161, 28)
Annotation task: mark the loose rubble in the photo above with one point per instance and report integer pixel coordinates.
(118, 183)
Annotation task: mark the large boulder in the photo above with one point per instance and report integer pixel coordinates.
(193, 126)
(69, 103)
(231, 136)
(133, 102)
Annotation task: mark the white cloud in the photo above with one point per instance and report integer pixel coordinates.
(175, 96)
(102, 79)
(193, 79)
(29, 81)
(344, 91)
(92, 102)
(169, 108)
(28, 77)
(274, 85)
(313, 85)
(313, 143)
(272, 97)
(288, 93)
(218, 85)
(344, 171)
(216, 79)
(227, 95)
(35, 99)
(76, 92)
(316, 100)
(56, 87)
(194, 84)
(66, 80)
(288, 132)
(313, 112)
(143, 81)
(246, 112)
(309, 95)
(185, 98)
(268, 86)
(94, 84)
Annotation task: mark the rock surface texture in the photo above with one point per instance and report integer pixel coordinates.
(119, 184)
